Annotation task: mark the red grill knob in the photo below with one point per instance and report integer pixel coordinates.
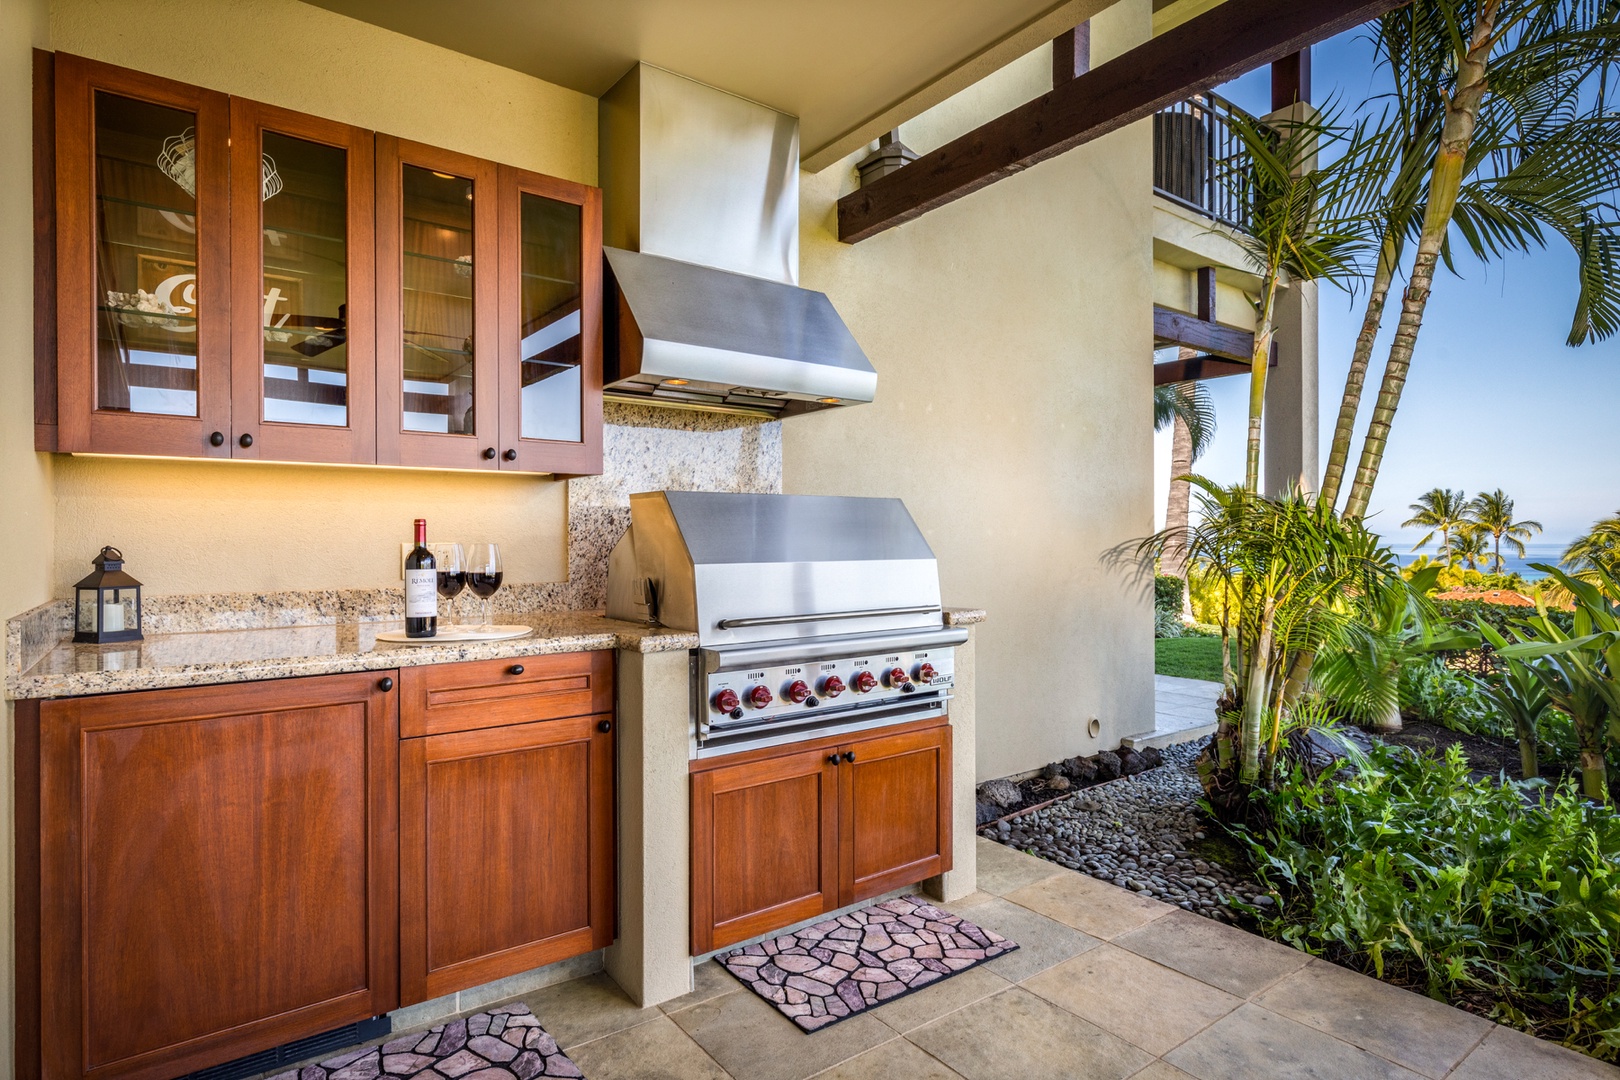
(760, 697)
(797, 691)
(898, 677)
(726, 700)
(863, 681)
(832, 686)
(925, 673)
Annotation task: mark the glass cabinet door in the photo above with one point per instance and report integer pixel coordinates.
(143, 303)
(302, 338)
(437, 268)
(551, 324)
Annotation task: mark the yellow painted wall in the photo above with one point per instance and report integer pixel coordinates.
(1177, 288)
(190, 527)
(1011, 331)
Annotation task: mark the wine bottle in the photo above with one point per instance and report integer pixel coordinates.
(421, 588)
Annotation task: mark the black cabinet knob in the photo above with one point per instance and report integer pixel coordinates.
(510, 455)
(217, 439)
(604, 726)
(515, 669)
(385, 684)
(832, 759)
(849, 755)
(245, 441)
(489, 453)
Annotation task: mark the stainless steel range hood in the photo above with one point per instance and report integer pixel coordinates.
(700, 222)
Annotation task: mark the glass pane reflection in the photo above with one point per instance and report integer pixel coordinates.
(437, 304)
(550, 309)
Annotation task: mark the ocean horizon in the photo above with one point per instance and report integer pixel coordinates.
(1539, 551)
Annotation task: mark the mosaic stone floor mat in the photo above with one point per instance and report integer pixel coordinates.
(835, 969)
(505, 1043)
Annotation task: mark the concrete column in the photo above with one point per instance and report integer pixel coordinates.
(649, 960)
(963, 876)
(1292, 426)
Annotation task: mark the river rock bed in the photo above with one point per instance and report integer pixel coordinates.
(1144, 833)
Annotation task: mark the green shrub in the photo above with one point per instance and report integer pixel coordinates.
(1452, 886)
(1429, 690)
(1167, 624)
(1167, 593)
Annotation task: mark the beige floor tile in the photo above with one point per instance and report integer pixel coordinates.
(1252, 1042)
(709, 980)
(1425, 1035)
(946, 996)
(656, 1050)
(1234, 960)
(1001, 869)
(585, 1009)
(1019, 1036)
(1512, 1055)
(1098, 908)
(894, 1060)
(1133, 997)
(977, 896)
(752, 1041)
(1042, 942)
(1162, 1070)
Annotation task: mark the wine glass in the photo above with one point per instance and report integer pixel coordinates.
(484, 573)
(450, 561)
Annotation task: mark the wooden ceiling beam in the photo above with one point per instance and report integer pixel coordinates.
(1221, 44)
(1190, 332)
(1195, 369)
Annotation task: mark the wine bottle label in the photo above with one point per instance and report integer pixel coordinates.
(421, 594)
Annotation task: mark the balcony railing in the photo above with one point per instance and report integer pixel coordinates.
(1200, 162)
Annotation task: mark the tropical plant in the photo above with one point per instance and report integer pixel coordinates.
(1526, 148)
(1579, 669)
(1470, 545)
(1190, 411)
(1520, 697)
(1285, 567)
(1407, 867)
(1598, 550)
(1442, 511)
(1308, 221)
(1492, 513)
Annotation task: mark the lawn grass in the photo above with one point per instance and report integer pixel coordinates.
(1188, 657)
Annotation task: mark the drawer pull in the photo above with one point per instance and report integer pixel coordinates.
(385, 684)
(515, 669)
(849, 755)
(832, 759)
(604, 726)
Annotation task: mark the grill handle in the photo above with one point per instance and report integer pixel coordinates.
(825, 616)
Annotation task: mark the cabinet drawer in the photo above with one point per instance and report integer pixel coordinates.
(442, 698)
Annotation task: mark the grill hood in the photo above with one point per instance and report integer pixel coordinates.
(700, 226)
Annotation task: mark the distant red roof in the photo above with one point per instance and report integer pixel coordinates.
(1500, 597)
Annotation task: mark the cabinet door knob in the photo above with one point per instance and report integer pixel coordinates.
(489, 453)
(604, 726)
(217, 439)
(510, 455)
(385, 684)
(515, 669)
(245, 441)
(849, 755)
(832, 759)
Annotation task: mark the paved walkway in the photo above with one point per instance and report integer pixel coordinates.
(1107, 985)
(1184, 709)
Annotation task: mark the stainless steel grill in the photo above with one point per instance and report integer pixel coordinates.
(814, 614)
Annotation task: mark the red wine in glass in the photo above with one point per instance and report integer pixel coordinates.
(452, 569)
(484, 574)
(484, 585)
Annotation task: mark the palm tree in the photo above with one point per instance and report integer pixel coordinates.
(1440, 510)
(1526, 147)
(1598, 550)
(1492, 513)
(1469, 545)
(1191, 411)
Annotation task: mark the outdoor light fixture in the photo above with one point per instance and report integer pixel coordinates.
(107, 603)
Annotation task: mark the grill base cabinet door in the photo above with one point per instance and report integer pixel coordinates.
(506, 851)
(217, 871)
(764, 846)
(894, 812)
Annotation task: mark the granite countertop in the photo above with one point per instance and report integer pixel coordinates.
(279, 652)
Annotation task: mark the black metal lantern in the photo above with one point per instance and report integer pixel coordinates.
(107, 603)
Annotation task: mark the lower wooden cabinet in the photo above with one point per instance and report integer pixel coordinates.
(506, 851)
(782, 835)
(217, 872)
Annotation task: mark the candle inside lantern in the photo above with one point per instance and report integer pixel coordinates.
(112, 615)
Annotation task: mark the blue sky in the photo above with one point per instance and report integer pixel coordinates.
(1495, 398)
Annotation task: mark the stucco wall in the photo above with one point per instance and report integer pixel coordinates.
(232, 526)
(1011, 333)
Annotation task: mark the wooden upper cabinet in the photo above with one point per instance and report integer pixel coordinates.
(437, 261)
(142, 206)
(550, 337)
(303, 334)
